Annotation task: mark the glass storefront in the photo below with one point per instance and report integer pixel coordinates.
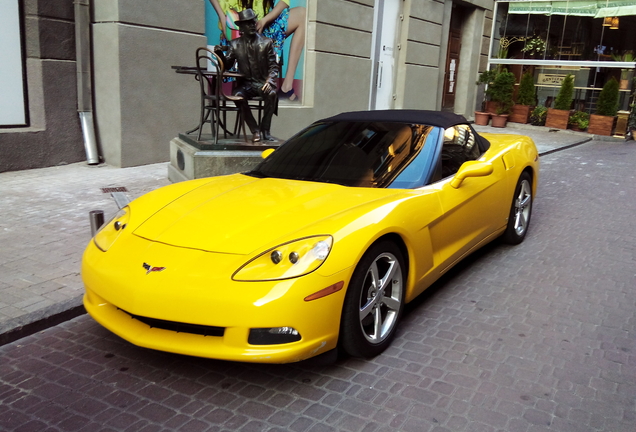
(592, 40)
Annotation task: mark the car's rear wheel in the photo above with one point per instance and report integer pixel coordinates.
(374, 301)
(520, 211)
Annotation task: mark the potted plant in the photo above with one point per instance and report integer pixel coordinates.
(525, 100)
(535, 46)
(579, 120)
(501, 91)
(538, 116)
(482, 117)
(602, 122)
(559, 115)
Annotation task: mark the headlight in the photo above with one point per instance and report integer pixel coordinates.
(109, 232)
(289, 260)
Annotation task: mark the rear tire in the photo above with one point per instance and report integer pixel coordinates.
(374, 301)
(520, 211)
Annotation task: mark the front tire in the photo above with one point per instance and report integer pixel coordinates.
(520, 211)
(374, 301)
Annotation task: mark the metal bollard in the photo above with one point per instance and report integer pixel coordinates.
(97, 220)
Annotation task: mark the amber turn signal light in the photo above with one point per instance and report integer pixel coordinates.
(325, 292)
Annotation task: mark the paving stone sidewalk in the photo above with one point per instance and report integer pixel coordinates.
(45, 227)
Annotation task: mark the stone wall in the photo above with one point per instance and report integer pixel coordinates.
(53, 136)
(140, 102)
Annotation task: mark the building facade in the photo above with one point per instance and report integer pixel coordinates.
(362, 54)
(592, 40)
(43, 128)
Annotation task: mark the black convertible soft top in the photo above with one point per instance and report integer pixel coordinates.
(432, 118)
(425, 117)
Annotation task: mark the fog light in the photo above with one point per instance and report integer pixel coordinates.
(273, 336)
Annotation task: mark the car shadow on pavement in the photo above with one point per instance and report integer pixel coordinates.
(452, 275)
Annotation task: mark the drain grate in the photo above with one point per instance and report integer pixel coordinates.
(114, 189)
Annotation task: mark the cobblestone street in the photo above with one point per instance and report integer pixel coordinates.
(536, 337)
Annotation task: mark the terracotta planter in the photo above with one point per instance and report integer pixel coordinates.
(499, 120)
(601, 125)
(492, 107)
(482, 118)
(520, 113)
(557, 118)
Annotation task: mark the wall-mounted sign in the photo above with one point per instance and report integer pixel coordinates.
(451, 77)
(550, 79)
(13, 101)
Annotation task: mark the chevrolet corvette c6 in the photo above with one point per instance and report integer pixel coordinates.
(318, 247)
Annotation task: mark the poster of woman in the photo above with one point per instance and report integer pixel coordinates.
(283, 21)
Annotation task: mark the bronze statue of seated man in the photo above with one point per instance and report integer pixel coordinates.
(257, 63)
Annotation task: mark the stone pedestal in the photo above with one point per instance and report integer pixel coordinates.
(191, 159)
(621, 124)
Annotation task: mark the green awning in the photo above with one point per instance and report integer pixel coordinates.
(591, 8)
(623, 10)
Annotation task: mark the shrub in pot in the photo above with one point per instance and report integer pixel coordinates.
(538, 116)
(485, 78)
(602, 122)
(579, 120)
(559, 115)
(525, 100)
(501, 91)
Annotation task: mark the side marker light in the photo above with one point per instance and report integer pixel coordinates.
(325, 291)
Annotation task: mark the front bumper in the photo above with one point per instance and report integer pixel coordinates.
(188, 291)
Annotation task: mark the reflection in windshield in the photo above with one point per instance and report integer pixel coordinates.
(364, 154)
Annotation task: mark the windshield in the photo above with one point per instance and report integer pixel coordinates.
(364, 154)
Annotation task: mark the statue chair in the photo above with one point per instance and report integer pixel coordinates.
(214, 102)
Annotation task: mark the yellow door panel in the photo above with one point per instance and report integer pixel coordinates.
(471, 213)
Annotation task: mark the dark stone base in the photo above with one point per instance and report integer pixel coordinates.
(191, 159)
(234, 143)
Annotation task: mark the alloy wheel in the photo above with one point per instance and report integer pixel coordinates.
(381, 298)
(522, 208)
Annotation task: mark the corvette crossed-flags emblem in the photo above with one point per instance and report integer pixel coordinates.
(150, 269)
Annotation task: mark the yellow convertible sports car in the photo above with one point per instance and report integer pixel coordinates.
(319, 247)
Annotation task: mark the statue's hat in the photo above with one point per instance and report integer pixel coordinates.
(246, 15)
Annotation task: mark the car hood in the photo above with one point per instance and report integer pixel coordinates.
(240, 214)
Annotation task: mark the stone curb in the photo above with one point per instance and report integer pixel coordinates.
(42, 319)
(576, 144)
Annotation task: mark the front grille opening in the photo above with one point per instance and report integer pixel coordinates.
(179, 327)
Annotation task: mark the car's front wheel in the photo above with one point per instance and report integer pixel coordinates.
(520, 211)
(374, 301)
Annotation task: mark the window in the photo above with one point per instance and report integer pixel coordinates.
(363, 154)
(459, 146)
(13, 100)
(592, 40)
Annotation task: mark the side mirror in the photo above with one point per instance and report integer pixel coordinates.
(471, 169)
(267, 152)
